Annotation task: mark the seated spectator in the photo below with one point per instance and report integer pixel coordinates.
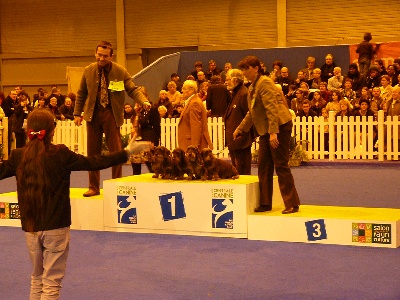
(56, 93)
(325, 94)
(67, 110)
(355, 76)
(376, 100)
(175, 78)
(345, 109)
(218, 97)
(53, 108)
(72, 96)
(315, 79)
(336, 81)
(41, 103)
(164, 101)
(264, 70)
(347, 91)
(306, 110)
(300, 78)
(381, 66)
(391, 72)
(297, 103)
(291, 93)
(308, 71)
(334, 105)
(305, 88)
(128, 110)
(284, 80)
(327, 68)
(176, 113)
(364, 109)
(173, 95)
(393, 106)
(386, 89)
(198, 66)
(162, 110)
(276, 70)
(212, 70)
(372, 79)
(317, 103)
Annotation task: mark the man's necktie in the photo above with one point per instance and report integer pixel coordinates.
(103, 90)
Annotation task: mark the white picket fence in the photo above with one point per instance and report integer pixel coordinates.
(350, 138)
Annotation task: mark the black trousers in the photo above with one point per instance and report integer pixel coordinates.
(270, 158)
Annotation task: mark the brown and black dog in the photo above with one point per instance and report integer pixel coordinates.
(178, 164)
(161, 162)
(217, 168)
(195, 164)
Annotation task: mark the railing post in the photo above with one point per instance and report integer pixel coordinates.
(381, 135)
(332, 140)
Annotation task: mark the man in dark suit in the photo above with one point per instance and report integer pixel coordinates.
(101, 97)
(240, 149)
(218, 97)
(273, 122)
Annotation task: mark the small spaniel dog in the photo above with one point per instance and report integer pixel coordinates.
(194, 163)
(161, 162)
(178, 164)
(217, 168)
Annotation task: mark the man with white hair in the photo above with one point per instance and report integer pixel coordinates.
(192, 126)
(239, 149)
(336, 81)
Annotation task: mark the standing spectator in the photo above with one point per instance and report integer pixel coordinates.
(198, 66)
(218, 97)
(67, 110)
(21, 114)
(273, 122)
(284, 80)
(336, 81)
(192, 126)
(43, 172)
(366, 51)
(212, 70)
(308, 71)
(8, 105)
(327, 68)
(2, 114)
(227, 67)
(240, 149)
(103, 109)
(146, 121)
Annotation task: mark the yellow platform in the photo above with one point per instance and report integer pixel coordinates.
(356, 226)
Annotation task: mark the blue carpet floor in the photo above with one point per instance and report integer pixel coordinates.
(105, 265)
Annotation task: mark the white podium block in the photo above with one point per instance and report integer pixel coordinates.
(188, 207)
(355, 226)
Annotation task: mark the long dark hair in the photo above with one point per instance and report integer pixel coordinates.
(31, 174)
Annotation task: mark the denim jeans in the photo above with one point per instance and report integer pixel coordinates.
(48, 251)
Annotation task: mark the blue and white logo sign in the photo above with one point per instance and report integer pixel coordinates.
(127, 209)
(172, 206)
(222, 216)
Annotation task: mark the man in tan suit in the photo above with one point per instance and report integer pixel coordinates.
(273, 122)
(192, 126)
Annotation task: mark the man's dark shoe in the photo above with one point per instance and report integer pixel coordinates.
(290, 210)
(91, 193)
(263, 208)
